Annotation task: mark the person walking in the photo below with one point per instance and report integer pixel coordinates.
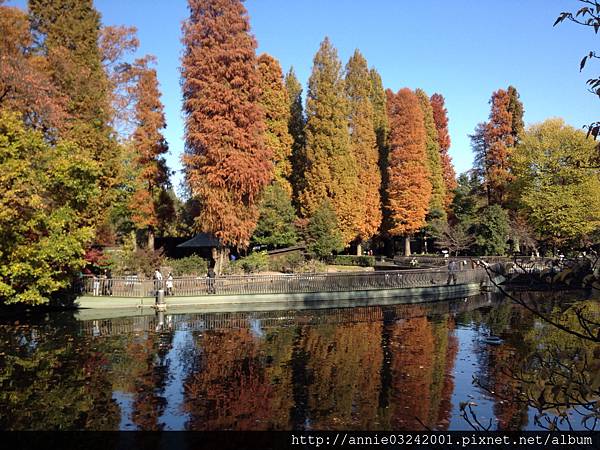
(96, 286)
(211, 275)
(452, 268)
(170, 284)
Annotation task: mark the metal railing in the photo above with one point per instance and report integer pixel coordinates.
(277, 284)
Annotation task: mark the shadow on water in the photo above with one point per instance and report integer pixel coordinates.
(392, 367)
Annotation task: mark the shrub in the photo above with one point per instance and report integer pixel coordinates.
(141, 261)
(352, 260)
(254, 262)
(312, 265)
(190, 265)
(288, 263)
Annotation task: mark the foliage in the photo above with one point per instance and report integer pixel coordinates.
(227, 164)
(438, 187)
(468, 198)
(288, 263)
(557, 186)
(275, 103)
(189, 265)
(66, 33)
(331, 169)
(311, 266)
(382, 129)
(352, 260)
(455, 238)
(409, 188)
(589, 16)
(493, 143)
(440, 117)
(132, 260)
(363, 145)
(275, 225)
(491, 231)
(296, 130)
(117, 45)
(25, 85)
(322, 233)
(253, 263)
(47, 191)
(152, 174)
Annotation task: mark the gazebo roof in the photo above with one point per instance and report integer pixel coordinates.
(201, 240)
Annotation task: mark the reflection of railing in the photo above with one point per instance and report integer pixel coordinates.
(275, 319)
(278, 284)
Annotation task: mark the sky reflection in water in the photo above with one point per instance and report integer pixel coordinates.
(399, 367)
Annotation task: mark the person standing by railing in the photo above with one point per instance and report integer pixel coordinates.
(158, 278)
(210, 281)
(452, 268)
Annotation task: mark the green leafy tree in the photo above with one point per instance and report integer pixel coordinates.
(557, 185)
(67, 34)
(491, 231)
(47, 191)
(275, 225)
(296, 125)
(468, 198)
(322, 233)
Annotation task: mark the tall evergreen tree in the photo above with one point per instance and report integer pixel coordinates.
(66, 34)
(381, 127)
(515, 107)
(226, 161)
(363, 145)
(275, 103)
(296, 129)
(440, 117)
(409, 188)
(499, 141)
(438, 188)
(331, 171)
(276, 220)
(150, 149)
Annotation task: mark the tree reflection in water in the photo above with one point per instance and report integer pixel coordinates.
(378, 368)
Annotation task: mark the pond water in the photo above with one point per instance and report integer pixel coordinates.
(403, 367)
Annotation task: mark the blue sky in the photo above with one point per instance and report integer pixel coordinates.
(463, 49)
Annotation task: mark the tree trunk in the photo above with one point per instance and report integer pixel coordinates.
(407, 246)
(359, 249)
(220, 263)
(134, 240)
(150, 239)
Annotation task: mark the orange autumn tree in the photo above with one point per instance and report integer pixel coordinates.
(25, 85)
(440, 117)
(499, 140)
(363, 144)
(408, 189)
(227, 164)
(150, 146)
(275, 103)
